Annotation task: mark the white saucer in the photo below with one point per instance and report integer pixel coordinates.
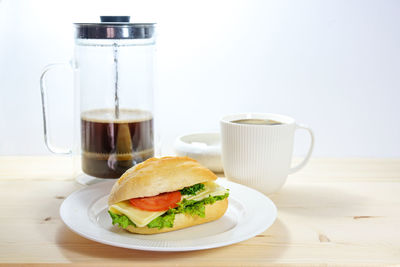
(203, 147)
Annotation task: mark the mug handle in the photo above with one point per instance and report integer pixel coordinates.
(305, 160)
(43, 92)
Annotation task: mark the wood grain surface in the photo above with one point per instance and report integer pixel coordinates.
(333, 212)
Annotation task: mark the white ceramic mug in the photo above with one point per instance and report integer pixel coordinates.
(260, 156)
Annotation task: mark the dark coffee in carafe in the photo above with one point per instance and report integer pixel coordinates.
(110, 146)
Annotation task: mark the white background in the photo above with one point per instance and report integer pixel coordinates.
(334, 65)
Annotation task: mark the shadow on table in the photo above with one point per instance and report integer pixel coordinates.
(78, 249)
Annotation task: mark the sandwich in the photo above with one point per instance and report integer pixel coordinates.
(166, 194)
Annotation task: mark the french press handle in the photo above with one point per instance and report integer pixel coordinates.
(43, 91)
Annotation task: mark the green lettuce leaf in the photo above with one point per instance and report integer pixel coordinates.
(122, 220)
(193, 207)
(196, 209)
(165, 220)
(192, 190)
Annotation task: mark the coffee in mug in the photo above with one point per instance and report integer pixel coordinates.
(110, 146)
(257, 122)
(257, 149)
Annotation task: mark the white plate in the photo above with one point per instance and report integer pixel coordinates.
(249, 213)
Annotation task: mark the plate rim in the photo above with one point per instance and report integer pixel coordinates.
(273, 213)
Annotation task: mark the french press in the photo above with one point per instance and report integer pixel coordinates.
(113, 83)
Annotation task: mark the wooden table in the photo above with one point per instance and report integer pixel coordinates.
(334, 212)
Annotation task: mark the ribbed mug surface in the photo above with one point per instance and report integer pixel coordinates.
(258, 156)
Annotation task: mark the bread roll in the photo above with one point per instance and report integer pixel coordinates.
(159, 175)
(213, 212)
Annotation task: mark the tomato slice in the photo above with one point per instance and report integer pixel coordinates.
(160, 202)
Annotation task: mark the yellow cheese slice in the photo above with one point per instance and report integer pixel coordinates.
(142, 217)
(137, 216)
(210, 189)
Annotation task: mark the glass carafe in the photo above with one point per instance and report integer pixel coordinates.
(113, 80)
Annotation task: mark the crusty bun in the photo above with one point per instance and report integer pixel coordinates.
(158, 175)
(213, 212)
